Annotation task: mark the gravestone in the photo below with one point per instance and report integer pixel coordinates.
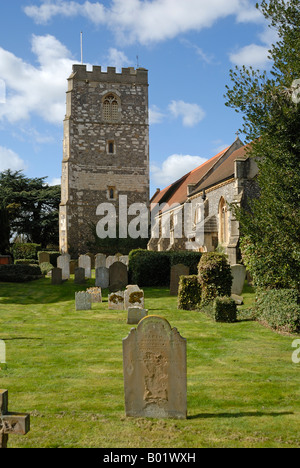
(100, 261)
(63, 262)
(73, 266)
(11, 423)
(84, 261)
(56, 276)
(79, 276)
(155, 370)
(118, 276)
(83, 301)
(135, 315)
(44, 257)
(116, 301)
(111, 260)
(133, 297)
(176, 272)
(102, 277)
(96, 295)
(124, 259)
(239, 276)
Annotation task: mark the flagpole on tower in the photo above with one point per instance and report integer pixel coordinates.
(81, 47)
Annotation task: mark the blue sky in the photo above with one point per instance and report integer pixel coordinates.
(188, 46)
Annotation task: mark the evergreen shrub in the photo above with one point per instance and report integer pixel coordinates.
(19, 273)
(189, 292)
(214, 274)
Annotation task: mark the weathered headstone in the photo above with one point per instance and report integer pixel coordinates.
(111, 260)
(83, 301)
(239, 276)
(84, 261)
(124, 259)
(11, 423)
(63, 262)
(79, 276)
(100, 261)
(155, 370)
(135, 315)
(102, 277)
(133, 297)
(56, 276)
(118, 276)
(44, 257)
(116, 301)
(176, 272)
(96, 295)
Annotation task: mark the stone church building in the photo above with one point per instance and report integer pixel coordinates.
(207, 192)
(105, 148)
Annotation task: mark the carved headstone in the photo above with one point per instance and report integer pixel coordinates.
(176, 272)
(79, 276)
(155, 370)
(239, 276)
(96, 295)
(83, 301)
(56, 276)
(102, 277)
(100, 261)
(118, 276)
(63, 262)
(133, 297)
(84, 261)
(135, 315)
(116, 301)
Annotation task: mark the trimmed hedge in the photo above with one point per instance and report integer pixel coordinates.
(19, 273)
(31, 261)
(221, 309)
(53, 256)
(25, 251)
(148, 268)
(46, 267)
(189, 292)
(215, 276)
(280, 309)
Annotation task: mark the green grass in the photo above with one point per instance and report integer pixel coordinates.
(65, 368)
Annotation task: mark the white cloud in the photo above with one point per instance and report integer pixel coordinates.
(41, 89)
(155, 115)
(256, 55)
(147, 21)
(10, 160)
(117, 58)
(191, 114)
(55, 181)
(174, 167)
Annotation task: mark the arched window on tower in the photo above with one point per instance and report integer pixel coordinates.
(223, 222)
(111, 108)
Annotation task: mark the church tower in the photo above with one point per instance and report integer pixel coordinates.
(105, 148)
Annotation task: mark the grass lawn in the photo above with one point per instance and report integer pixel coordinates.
(65, 368)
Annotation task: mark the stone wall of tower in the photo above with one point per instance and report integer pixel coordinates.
(89, 168)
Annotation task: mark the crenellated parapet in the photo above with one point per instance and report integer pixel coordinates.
(128, 75)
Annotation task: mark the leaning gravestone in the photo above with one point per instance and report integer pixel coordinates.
(176, 272)
(83, 301)
(79, 276)
(239, 276)
(56, 276)
(102, 277)
(133, 297)
(84, 261)
(11, 423)
(116, 301)
(100, 261)
(135, 315)
(63, 262)
(155, 370)
(118, 276)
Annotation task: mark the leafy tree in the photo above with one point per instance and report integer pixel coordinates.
(28, 207)
(270, 105)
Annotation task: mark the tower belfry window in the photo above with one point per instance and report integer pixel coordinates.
(111, 108)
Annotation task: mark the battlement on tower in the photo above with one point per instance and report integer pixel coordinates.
(128, 75)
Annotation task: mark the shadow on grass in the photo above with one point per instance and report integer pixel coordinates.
(248, 414)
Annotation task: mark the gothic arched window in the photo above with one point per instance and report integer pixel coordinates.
(223, 222)
(111, 106)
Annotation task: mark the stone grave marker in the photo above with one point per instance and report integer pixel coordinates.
(102, 277)
(118, 276)
(96, 295)
(73, 266)
(124, 259)
(63, 262)
(176, 272)
(84, 261)
(79, 276)
(44, 257)
(135, 315)
(239, 276)
(133, 297)
(116, 301)
(100, 261)
(56, 276)
(155, 370)
(11, 423)
(83, 301)
(111, 260)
